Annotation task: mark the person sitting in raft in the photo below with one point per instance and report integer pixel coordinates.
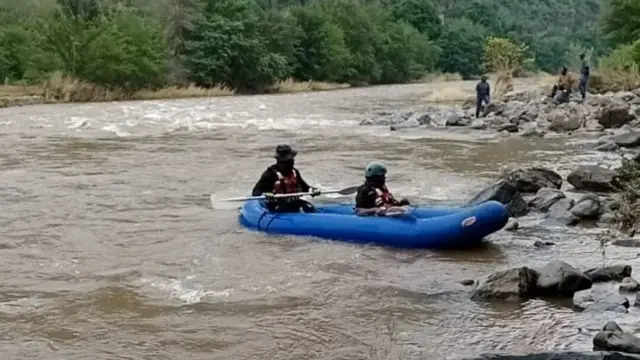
(373, 197)
(284, 178)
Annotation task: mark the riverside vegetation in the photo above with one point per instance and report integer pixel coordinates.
(90, 50)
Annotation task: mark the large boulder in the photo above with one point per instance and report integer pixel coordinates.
(561, 211)
(506, 193)
(609, 273)
(563, 122)
(613, 338)
(530, 180)
(593, 178)
(558, 278)
(627, 139)
(545, 197)
(613, 115)
(512, 285)
(588, 207)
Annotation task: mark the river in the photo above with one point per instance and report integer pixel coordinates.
(110, 248)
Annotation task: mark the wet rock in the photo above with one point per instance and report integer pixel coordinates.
(506, 193)
(607, 147)
(632, 243)
(612, 326)
(597, 301)
(540, 244)
(457, 120)
(558, 278)
(512, 225)
(629, 285)
(532, 130)
(629, 139)
(563, 122)
(608, 218)
(636, 302)
(593, 178)
(478, 124)
(510, 128)
(494, 108)
(588, 207)
(512, 285)
(530, 180)
(561, 211)
(467, 282)
(609, 273)
(616, 341)
(545, 197)
(614, 115)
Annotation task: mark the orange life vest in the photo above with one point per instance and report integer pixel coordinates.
(384, 197)
(286, 184)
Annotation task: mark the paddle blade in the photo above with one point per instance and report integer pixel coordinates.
(349, 190)
(223, 204)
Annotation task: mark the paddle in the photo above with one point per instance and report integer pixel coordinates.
(228, 203)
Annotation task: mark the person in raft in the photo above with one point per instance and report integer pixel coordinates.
(283, 178)
(373, 197)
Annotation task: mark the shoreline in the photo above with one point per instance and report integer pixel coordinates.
(63, 90)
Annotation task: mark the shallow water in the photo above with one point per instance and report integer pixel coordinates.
(110, 249)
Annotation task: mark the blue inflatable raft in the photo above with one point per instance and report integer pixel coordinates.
(433, 228)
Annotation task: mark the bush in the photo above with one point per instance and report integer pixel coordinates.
(619, 71)
(500, 55)
(628, 215)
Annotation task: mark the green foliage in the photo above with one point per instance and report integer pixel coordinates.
(500, 54)
(628, 181)
(623, 58)
(461, 43)
(621, 21)
(251, 44)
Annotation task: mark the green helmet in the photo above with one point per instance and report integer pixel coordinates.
(375, 169)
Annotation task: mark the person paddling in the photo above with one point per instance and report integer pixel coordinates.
(284, 178)
(373, 197)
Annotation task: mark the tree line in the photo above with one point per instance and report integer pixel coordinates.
(251, 44)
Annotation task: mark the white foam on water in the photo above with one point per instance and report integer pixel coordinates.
(177, 289)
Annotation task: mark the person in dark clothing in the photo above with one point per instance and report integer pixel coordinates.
(585, 72)
(284, 178)
(483, 94)
(373, 197)
(565, 82)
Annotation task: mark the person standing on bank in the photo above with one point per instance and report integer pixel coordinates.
(483, 94)
(585, 72)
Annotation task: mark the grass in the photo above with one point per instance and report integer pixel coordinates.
(607, 79)
(290, 86)
(64, 89)
(439, 77)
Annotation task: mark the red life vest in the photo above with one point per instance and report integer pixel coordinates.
(286, 184)
(384, 198)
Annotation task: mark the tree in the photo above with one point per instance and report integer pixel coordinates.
(420, 14)
(621, 21)
(502, 54)
(461, 43)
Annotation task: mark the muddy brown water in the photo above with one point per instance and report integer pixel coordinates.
(109, 248)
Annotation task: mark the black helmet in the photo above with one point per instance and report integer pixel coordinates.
(285, 152)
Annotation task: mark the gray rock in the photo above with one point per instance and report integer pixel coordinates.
(628, 139)
(478, 124)
(494, 108)
(545, 197)
(588, 301)
(540, 244)
(614, 115)
(512, 225)
(632, 243)
(588, 207)
(562, 122)
(511, 285)
(609, 273)
(593, 178)
(560, 211)
(558, 278)
(629, 285)
(457, 120)
(607, 147)
(616, 341)
(467, 282)
(612, 326)
(510, 128)
(530, 180)
(506, 193)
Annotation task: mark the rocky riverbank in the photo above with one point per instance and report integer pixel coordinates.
(531, 113)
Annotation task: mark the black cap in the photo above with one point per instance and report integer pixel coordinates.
(285, 152)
